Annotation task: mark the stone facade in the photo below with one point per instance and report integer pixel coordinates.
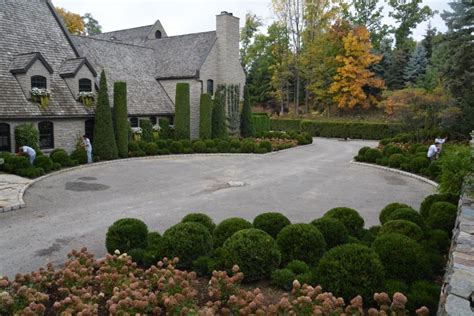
(37, 69)
(73, 82)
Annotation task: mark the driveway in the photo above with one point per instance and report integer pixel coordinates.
(74, 209)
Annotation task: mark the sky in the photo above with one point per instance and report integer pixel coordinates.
(191, 16)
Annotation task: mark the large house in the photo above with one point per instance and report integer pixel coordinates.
(36, 51)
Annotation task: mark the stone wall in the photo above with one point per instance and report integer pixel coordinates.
(457, 293)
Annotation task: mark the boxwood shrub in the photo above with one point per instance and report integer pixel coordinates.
(60, 156)
(419, 163)
(271, 222)
(151, 149)
(223, 146)
(403, 227)
(389, 209)
(349, 217)
(227, 228)
(187, 241)
(302, 242)
(200, 218)
(254, 251)
(395, 160)
(430, 199)
(43, 162)
(349, 270)
(438, 239)
(333, 230)
(389, 150)
(402, 257)
(126, 234)
(442, 215)
(80, 155)
(248, 146)
(408, 214)
(133, 146)
(176, 147)
(372, 154)
(423, 293)
(199, 147)
(266, 144)
(298, 266)
(283, 278)
(363, 150)
(393, 285)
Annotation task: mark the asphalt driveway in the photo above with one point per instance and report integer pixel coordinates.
(74, 209)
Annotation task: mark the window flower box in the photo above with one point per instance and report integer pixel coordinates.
(87, 98)
(41, 96)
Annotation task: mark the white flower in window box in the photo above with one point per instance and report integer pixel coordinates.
(86, 97)
(137, 133)
(41, 96)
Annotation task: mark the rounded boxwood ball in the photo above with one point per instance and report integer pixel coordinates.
(271, 223)
(227, 228)
(283, 279)
(298, 266)
(187, 241)
(402, 257)
(442, 215)
(392, 286)
(200, 218)
(349, 217)
(126, 234)
(254, 251)
(433, 198)
(302, 242)
(389, 209)
(403, 227)
(438, 239)
(408, 214)
(423, 293)
(333, 230)
(350, 270)
(372, 154)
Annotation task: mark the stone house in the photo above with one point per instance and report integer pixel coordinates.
(36, 50)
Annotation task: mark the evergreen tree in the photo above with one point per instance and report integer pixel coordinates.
(105, 147)
(428, 41)
(246, 125)
(120, 118)
(182, 113)
(147, 130)
(416, 66)
(91, 25)
(385, 50)
(394, 77)
(205, 116)
(219, 129)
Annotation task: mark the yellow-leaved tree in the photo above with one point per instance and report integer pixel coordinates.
(73, 21)
(354, 82)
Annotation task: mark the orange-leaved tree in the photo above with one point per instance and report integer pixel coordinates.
(73, 21)
(354, 81)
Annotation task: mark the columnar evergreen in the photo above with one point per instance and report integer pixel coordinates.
(165, 131)
(182, 112)
(205, 116)
(147, 130)
(246, 126)
(219, 129)
(104, 145)
(233, 103)
(120, 118)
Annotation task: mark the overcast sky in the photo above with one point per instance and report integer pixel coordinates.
(190, 16)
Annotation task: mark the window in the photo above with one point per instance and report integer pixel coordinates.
(5, 144)
(85, 85)
(171, 120)
(153, 120)
(210, 87)
(158, 34)
(89, 129)
(46, 135)
(133, 122)
(38, 82)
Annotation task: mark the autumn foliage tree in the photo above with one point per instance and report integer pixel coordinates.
(354, 80)
(73, 21)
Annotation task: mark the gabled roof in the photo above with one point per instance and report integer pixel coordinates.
(70, 67)
(181, 56)
(22, 62)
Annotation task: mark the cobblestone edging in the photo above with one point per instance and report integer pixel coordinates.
(405, 173)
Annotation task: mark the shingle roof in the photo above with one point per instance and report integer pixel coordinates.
(22, 62)
(70, 67)
(27, 27)
(130, 63)
(136, 35)
(183, 55)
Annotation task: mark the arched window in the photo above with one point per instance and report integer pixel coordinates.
(38, 82)
(210, 86)
(158, 34)
(85, 85)
(5, 144)
(46, 135)
(133, 122)
(89, 129)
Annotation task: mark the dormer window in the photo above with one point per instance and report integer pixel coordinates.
(38, 82)
(85, 85)
(158, 34)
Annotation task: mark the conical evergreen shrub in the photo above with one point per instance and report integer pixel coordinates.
(205, 116)
(182, 112)
(120, 118)
(246, 125)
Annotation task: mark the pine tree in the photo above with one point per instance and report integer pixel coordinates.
(219, 129)
(416, 66)
(205, 116)
(246, 126)
(394, 77)
(182, 120)
(120, 118)
(105, 147)
(428, 41)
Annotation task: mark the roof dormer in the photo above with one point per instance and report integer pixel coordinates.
(79, 75)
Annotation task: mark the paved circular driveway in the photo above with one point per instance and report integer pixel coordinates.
(74, 209)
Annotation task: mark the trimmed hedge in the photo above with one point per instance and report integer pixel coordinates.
(433, 198)
(261, 123)
(43, 162)
(182, 112)
(165, 130)
(389, 209)
(333, 230)
(60, 156)
(349, 217)
(271, 223)
(205, 116)
(442, 215)
(246, 125)
(227, 228)
(403, 227)
(219, 128)
(126, 234)
(408, 214)
(200, 218)
(285, 125)
(120, 113)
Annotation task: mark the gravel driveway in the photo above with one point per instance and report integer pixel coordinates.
(74, 209)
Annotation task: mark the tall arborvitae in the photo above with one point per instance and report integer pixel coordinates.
(120, 118)
(246, 125)
(219, 129)
(104, 146)
(205, 116)
(182, 112)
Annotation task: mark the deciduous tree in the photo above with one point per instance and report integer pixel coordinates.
(73, 21)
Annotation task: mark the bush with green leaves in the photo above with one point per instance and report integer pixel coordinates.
(219, 128)
(27, 135)
(165, 130)
(402, 257)
(246, 125)
(30, 172)
(283, 278)
(187, 241)
(349, 217)
(126, 234)
(393, 286)
(248, 146)
(205, 116)
(389, 150)
(176, 147)
(363, 150)
(455, 164)
(395, 160)
(301, 242)
(271, 222)
(333, 230)
(433, 198)
(389, 209)
(372, 154)
(15, 163)
(199, 146)
(438, 239)
(151, 149)
(298, 266)
(403, 227)
(408, 214)
(133, 146)
(424, 293)
(43, 162)
(227, 228)
(120, 112)
(442, 215)
(182, 112)
(147, 130)
(60, 156)
(80, 155)
(200, 218)
(254, 251)
(419, 163)
(223, 146)
(349, 270)
(266, 144)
